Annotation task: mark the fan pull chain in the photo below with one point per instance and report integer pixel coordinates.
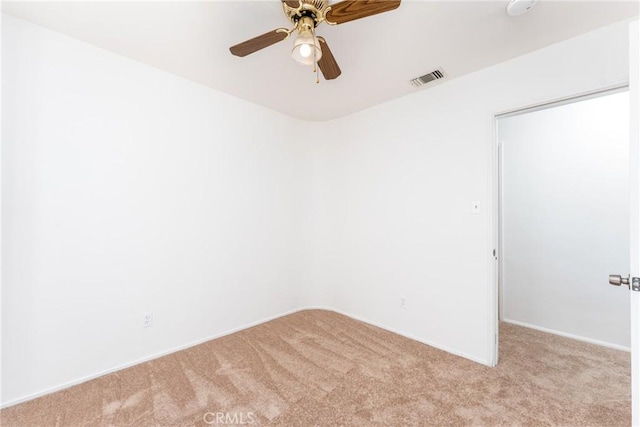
(315, 61)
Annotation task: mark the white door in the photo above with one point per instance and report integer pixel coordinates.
(634, 186)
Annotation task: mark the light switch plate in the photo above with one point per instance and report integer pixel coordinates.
(475, 207)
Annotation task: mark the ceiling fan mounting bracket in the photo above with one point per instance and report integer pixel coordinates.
(325, 19)
(284, 30)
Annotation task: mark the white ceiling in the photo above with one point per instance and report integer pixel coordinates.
(378, 55)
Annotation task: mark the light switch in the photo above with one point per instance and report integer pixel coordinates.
(475, 207)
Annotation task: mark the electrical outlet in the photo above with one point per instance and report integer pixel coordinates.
(403, 302)
(147, 320)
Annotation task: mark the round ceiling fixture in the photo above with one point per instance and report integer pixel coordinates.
(519, 7)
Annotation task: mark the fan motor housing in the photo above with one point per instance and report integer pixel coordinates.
(314, 9)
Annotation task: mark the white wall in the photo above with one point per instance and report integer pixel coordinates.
(566, 218)
(127, 190)
(400, 179)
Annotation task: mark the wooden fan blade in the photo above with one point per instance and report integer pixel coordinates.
(260, 42)
(327, 63)
(292, 3)
(350, 10)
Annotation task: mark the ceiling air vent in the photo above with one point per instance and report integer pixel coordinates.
(422, 80)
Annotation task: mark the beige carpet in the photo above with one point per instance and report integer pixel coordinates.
(321, 368)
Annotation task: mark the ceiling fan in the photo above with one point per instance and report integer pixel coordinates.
(306, 15)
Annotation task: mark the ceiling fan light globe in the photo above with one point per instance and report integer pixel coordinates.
(303, 49)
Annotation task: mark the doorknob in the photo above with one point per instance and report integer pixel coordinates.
(617, 280)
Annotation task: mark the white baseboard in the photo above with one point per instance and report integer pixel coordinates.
(231, 331)
(404, 334)
(141, 360)
(568, 335)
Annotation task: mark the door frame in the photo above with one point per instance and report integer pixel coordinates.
(496, 186)
(634, 199)
(634, 217)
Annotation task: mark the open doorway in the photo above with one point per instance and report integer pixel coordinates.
(564, 217)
